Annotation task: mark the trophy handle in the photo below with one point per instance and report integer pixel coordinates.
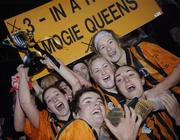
(8, 41)
(47, 54)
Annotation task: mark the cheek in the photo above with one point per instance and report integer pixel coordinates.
(96, 77)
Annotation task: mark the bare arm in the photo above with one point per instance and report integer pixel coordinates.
(171, 80)
(19, 117)
(166, 84)
(25, 98)
(172, 106)
(72, 78)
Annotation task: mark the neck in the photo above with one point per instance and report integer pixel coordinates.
(97, 129)
(63, 118)
(122, 60)
(112, 90)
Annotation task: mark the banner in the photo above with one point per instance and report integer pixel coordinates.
(72, 23)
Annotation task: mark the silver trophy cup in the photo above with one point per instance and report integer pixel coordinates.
(23, 41)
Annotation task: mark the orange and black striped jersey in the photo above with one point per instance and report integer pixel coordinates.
(152, 61)
(157, 126)
(48, 127)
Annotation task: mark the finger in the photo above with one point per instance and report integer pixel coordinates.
(138, 123)
(108, 124)
(139, 120)
(133, 114)
(167, 99)
(174, 98)
(166, 104)
(127, 112)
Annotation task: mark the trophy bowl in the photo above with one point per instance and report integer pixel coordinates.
(19, 40)
(22, 41)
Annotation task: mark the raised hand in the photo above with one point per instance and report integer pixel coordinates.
(171, 104)
(128, 127)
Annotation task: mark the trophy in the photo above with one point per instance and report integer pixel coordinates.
(141, 106)
(23, 42)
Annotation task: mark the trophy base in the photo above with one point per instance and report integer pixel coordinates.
(32, 60)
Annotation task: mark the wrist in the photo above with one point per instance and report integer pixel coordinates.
(177, 121)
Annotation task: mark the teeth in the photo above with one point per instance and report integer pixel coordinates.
(96, 112)
(106, 78)
(58, 105)
(111, 54)
(131, 88)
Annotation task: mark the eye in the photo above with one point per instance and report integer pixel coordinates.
(83, 67)
(96, 71)
(131, 74)
(49, 101)
(64, 88)
(111, 41)
(100, 101)
(105, 66)
(101, 47)
(118, 80)
(87, 102)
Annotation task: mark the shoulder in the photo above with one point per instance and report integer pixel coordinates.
(76, 129)
(76, 124)
(148, 45)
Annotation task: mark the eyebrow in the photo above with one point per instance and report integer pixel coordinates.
(99, 98)
(86, 99)
(120, 73)
(117, 75)
(129, 70)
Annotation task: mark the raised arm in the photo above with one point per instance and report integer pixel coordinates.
(19, 116)
(72, 78)
(25, 99)
(169, 82)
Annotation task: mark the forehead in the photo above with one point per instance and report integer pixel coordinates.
(125, 69)
(50, 92)
(89, 95)
(99, 61)
(79, 65)
(104, 39)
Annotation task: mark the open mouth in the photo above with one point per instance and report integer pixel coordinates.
(97, 112)
(60, 106)
(107, 78)
(111, 54)
(131, 88)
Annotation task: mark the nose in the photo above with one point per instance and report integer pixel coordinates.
(97, 103)
(108, 48)
(126, 79)
(54, 99)
(103, 71)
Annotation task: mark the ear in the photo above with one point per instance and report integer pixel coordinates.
(76, 116)
(49, 110)
(143, 80)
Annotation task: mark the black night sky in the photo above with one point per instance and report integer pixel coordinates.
(9, 58)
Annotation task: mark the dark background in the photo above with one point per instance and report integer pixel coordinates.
(9, 58)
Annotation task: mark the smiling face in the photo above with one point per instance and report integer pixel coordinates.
(67, 89)
(103, 73)
(109, 48)
(91, 109)
(82, 69)
(129, 82)
(56, 102)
